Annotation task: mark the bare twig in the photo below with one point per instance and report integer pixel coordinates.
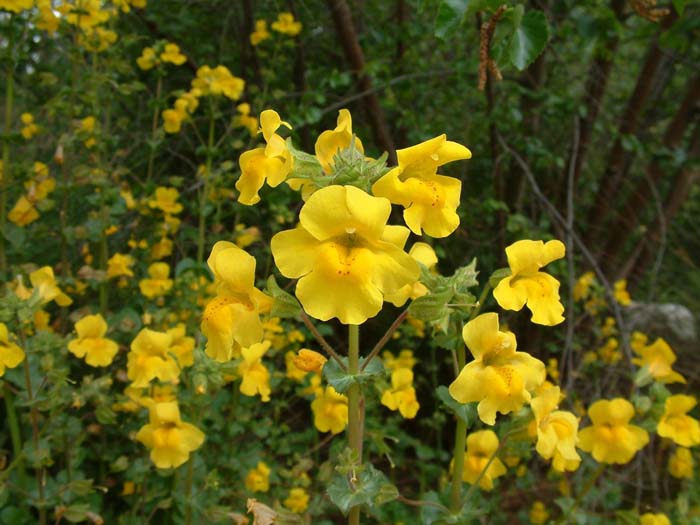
(385, 338)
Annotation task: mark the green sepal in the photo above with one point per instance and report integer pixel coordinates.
(341, 379)
(285, 304)
(466, 412)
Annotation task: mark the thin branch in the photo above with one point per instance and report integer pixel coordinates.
(385, 338)
(322, 341)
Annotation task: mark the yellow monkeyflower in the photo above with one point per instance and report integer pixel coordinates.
(47, 19)
(11, 355)
(297, 501)
(246, 120)
(658, 357)
(231, 320)
(125, 5)
(292, 371)
(148, 59)
(181, 346)
(481, 446)
(44, 281)
(611, 438)
(97, 39)
(273, 163)
(255, 377)
(330, 142)
(30, 128)
(430, 200)
(150, 358)
(286, 24)
(405, 359)
(556, 431)
(91, 343)
(165, 199)
(158, 283)
(258, 479)
(85, 14)
(261, 33)
(681, 464)
(172, 120)
(527, 285)
(172, 54)
(401, 395)
(218, 81)
(609, 352)
(654, 519)
(119, 265)
(538, 513)
(499, 379)
(161, 249)
(23, 212)
(582, 288)
(330, 410)
(424, 254)
(16, 6)
(675, 424)
(309, 361)
(169, 438)
(621, 294)
(342, 243)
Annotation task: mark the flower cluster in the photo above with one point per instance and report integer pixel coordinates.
(285, 24)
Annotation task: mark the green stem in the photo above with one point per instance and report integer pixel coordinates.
(479, 304)
(205, 188)
(154, 130)
(385, 338)
(34, 416)
(460, 446)
(6, 179)
(15, 434)
(188, 490)
(354, 410)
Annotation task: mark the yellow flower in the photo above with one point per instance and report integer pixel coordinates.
(621, 294)
(430, 200)
(261, 33)
(47, 19)
(658, 357)
(330, 410)
(172, 120)
(23, 212)
(538, 513)
(11, 355)
(556, 431)
(97, 39)
(169, 439)
(681, 464)
(163, 248)
(309, 361)
(292, 372)
(44, 281)
(85, 14)
(87, 125)
(342, 243)
(158, 284)
(30, 128)
(41, 320)
(675, 424)
(258, 479)
(148, 59)
(654, 519)
(272, 163)
(172, 54)
(181, 346)
(481, 446)
(125, 5)
(91, 343)
(16, 6)
(527, 284)
(330, 142)
(401, 396)
(611, 439)
(609, 352)
(165, 199)
(286, 24)
(405, 360)
(232, 319)
(424, 254)
(120, 265)
(499, 378)
(255, 377)
(218, 81)
(150, 359)
(245, 119)
(297, 501)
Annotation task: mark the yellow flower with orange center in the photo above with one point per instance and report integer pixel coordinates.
(676, 424)
(150, 358)
(91, 343)
(158, 282)
(556, 431)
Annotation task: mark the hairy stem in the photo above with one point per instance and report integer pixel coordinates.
(354, 412)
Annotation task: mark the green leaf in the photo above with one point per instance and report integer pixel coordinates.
(679, 5)
(15, 235)
(285, 304)
(305, 165)
(431, 307)
(449, 17)
(498, 275)
(341, 380)
(465, 277)
(467, 413)
(369, 487)
(529, 39)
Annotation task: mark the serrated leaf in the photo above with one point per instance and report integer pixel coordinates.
(305, 165)
(467, 413)
(432, 307)
(465, 277)
(449, 17)
(285, 304)
(341, 379)
(529, 39)
(364, 488)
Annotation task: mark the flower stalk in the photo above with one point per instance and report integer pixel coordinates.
(354, 411)
(205, 188)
